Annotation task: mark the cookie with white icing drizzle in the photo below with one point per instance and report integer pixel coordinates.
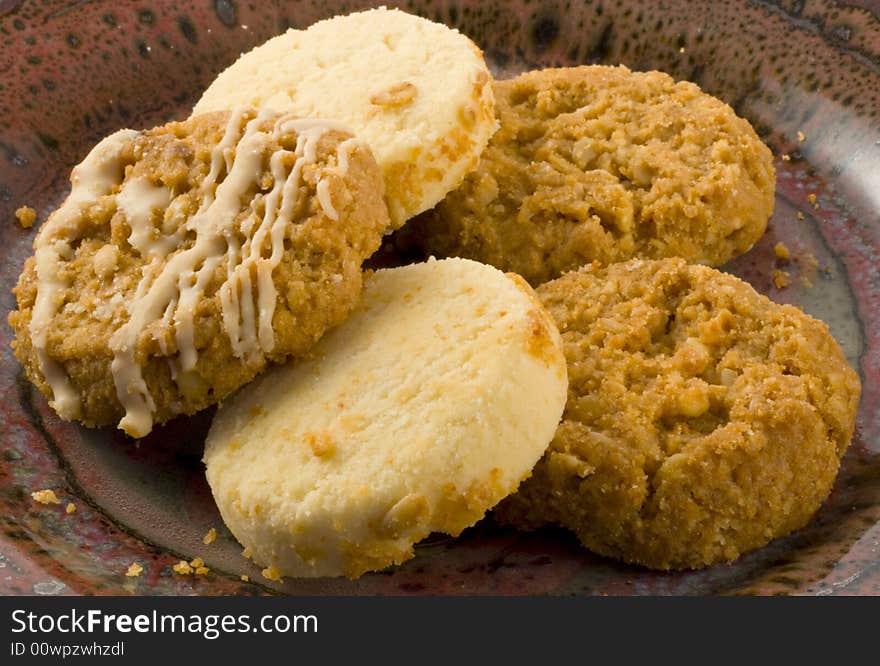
(189, 256)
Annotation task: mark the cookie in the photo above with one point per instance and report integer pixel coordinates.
(189, 256)
(418, 92)
(601, 163)
(703, 420)
(418, 414)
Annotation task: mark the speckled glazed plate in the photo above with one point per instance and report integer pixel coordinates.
(807, 74)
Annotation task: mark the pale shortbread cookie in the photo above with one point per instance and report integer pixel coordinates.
(423, 410)
(418, 92)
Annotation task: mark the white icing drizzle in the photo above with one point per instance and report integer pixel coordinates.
(94, 177)
(323, 192)
(138, 199)
(167, 318)
(343, 153)
(248, 295)
(222, 154)
(190, 285)
(343, 156)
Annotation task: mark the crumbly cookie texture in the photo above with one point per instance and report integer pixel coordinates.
(601, 163)
(418, 92)
(703, 420)
(418, 414)
(189, 256)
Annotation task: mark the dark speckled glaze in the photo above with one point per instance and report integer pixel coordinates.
(71, 72)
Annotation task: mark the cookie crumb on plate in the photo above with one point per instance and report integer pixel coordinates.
(26, 217)
(781, 279)
(271, 573)
(781, 251)
(183, 568)
(45, 497)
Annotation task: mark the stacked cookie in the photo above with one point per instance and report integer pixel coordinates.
(192, 261)
(422, 411)
(189, 256)
(417, 92)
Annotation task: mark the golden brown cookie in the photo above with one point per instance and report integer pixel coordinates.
(601, 163)
(189, 256)
(703, 420)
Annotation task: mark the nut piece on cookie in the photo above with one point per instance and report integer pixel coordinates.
(703, 420)
(419, 93)
(601, 163)
(418, 414)
(189, 256)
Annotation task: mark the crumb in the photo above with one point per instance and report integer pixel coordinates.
(70, 508)
(781, 252)
(809, 263)
(806, 282)
(45, 497)
(246, 553)
(399, 94)
(26, 217)
(183, 568)
(271, 573)
(202, 571)
(681, 50)
(245, 578)
(134, 570)
(801, 137)
(786, 157)
(197, 562)
(781, 279)
(811, 197)
(209, 538)
(800, 215)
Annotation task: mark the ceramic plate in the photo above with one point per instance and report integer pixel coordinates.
(807, 74)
